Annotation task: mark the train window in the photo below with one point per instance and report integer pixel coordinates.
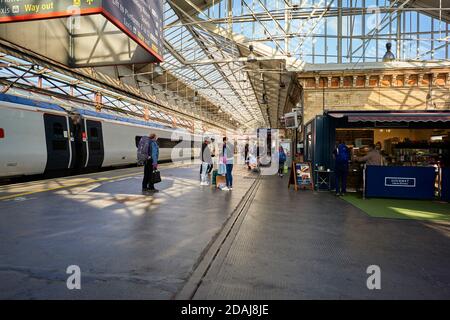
(168, 143)
(94, 139)
(58, 130)
(93, 133)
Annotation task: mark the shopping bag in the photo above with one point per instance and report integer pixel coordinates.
(221, 182)
(286, 170)
(156, 176)
(222, 169)
(214, 177)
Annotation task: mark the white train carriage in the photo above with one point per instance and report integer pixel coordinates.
(38, 137)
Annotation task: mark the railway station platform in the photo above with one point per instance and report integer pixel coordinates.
(259, 241)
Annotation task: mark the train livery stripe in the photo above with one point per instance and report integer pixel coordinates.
(28, 102)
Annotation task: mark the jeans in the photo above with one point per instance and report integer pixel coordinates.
(147, 183)
(204, 172)
(209, 169)
(229, 175)
(341, 177)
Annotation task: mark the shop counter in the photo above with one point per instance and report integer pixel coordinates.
(400, 182)
(446, 184)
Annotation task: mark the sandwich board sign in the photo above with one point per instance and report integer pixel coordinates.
(301, 176)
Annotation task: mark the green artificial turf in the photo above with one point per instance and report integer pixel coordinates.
(401, 209)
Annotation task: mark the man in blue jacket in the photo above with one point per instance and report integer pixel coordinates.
(151, 164)
(342, 157)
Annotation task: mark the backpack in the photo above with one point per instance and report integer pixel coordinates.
(342, 153)
(282, 157)
(142, 152)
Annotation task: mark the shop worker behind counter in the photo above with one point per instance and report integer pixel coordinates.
(373, 157)
(342, 157)
(148, 154)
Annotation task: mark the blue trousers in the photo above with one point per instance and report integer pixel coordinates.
(229, 175)
(341, 179)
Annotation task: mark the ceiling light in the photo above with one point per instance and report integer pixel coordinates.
(251, 57)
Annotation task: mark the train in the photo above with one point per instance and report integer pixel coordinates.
(39, 137)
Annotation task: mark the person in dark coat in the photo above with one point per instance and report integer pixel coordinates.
(151, 165)
(342, 157)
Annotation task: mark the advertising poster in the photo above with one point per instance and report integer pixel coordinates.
(303, 174)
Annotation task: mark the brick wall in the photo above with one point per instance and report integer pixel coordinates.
(370, 92)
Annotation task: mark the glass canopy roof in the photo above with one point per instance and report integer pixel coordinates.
(207, 41)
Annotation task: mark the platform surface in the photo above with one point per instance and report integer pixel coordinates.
(128, 245)
(309, 245)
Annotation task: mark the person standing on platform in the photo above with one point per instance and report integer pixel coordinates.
(281, 161)
(228, 158)
(246, 154)
(149, 147)
(206, 162)
(342, 157)
(213, 150)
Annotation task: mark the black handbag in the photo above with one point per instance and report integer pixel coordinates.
(156, 176)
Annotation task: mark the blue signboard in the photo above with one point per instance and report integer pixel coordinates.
(142, 20)
(400, 182)
(446, 184)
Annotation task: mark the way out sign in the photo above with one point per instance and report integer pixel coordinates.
(86, 33)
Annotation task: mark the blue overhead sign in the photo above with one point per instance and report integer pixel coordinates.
(142, 20)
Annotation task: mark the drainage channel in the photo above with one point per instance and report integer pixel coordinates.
(211, 261)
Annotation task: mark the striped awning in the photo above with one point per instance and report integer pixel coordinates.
(394, 117)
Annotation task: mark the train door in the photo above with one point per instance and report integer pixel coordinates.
(79, 143)
(59, 154)
(96, 151)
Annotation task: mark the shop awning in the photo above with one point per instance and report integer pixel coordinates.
(394, 117)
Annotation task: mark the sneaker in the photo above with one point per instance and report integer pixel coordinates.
(226, 189)
(231, 188)
(153, 190)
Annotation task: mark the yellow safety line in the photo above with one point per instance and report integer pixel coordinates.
(67, 186)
